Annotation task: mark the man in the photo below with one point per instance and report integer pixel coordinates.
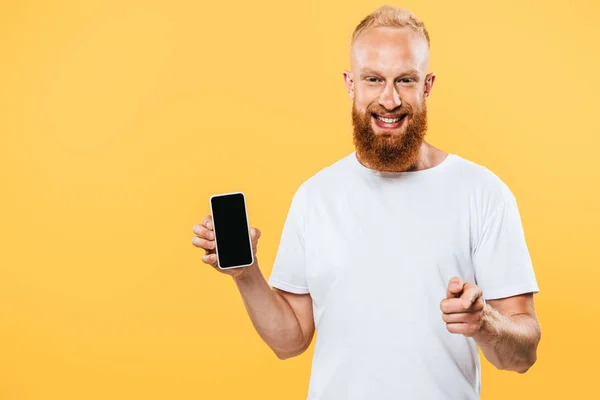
(391, 251)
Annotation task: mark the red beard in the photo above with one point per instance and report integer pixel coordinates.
(393, 152)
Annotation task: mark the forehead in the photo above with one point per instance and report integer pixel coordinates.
(389, 50)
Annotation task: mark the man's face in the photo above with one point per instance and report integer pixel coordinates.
(389, 86)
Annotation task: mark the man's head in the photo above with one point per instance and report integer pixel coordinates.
(389, 85)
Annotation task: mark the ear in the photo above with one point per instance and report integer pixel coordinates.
(349, 81)
(429, 79)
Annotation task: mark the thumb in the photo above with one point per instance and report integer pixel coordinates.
(255, 235)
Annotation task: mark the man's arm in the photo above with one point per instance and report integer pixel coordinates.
(283, 320)
(506, 329)
(510, 333)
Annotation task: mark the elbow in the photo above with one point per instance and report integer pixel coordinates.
(524, 367)
(284, 355)
(531, 360)
(520, 368)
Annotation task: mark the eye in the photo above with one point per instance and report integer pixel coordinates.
(372, 79)
(407, 80)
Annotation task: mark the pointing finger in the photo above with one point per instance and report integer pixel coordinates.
(455, 287)
(471, 294)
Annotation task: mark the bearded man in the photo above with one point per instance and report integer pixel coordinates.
(402, 257)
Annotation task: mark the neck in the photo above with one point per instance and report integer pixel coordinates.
(429, 157)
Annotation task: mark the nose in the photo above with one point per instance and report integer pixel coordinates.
(389, 98)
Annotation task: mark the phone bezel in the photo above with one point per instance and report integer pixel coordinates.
(215, 230)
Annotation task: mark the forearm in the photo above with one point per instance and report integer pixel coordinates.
(271, 315)
(508, 342)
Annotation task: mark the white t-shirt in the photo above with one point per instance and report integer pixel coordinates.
(376, 250)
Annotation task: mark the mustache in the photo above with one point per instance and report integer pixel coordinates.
(402, 111)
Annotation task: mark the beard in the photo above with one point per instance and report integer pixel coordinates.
(394, 151)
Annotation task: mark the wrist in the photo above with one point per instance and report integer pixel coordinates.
(488, 333)
(248, 273)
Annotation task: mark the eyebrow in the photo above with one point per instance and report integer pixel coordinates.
(367, 72)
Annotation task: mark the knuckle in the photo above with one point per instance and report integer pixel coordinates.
(208, 260)
(447, 304)
(202, 231)
(199, 229)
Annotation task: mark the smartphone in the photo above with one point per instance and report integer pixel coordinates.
(232, 230)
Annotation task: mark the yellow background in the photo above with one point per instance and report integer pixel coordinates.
(118, 120)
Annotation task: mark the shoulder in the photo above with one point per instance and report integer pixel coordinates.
(327, 178)
(483, 185)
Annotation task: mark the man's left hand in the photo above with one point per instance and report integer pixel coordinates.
(462, 309)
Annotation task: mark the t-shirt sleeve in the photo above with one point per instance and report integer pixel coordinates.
(289, 267)
(502, 263)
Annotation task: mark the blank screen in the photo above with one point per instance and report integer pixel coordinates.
(231, 230)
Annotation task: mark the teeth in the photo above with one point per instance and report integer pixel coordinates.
(388, 120)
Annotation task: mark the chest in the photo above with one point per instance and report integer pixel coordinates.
(361, 250)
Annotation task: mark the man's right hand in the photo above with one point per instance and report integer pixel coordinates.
(271, 311)
(205, 239)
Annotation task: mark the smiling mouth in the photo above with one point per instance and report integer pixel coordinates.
(388, 122)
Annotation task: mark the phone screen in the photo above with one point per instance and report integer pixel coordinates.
(230, 225)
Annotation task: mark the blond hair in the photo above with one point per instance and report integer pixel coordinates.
(391, 17)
